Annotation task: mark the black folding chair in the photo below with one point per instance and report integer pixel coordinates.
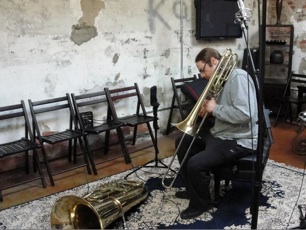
(177, 104)
(52, 114)
(244, 169)
(293, 95)
(89, 107)
(130, 97)
(15, 117)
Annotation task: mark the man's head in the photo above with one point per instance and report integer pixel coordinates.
(207, 61)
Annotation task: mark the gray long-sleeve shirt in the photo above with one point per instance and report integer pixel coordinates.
(236, 112)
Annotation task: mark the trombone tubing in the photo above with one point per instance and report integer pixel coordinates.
(184, 159)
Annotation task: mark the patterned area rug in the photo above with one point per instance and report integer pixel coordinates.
(282, 192)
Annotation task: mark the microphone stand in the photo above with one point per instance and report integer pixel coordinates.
(302, 220)
(242, 17)
(155, 106)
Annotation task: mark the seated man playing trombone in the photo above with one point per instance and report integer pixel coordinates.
(233, 135)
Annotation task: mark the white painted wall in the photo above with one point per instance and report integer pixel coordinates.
(137, 41)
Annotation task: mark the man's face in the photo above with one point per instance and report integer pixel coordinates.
(207, 69)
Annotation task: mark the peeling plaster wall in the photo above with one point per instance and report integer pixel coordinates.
(49, 48)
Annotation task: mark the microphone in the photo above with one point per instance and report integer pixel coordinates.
(242, 15)
(153, 98)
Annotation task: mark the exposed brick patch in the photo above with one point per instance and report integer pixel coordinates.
(279, 33)
(297, 9)
(302, 44)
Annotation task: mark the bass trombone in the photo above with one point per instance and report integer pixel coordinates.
(213, 88)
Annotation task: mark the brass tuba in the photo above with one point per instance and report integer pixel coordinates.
(213, 88)
(98, 209)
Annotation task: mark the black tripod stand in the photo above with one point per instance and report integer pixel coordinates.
(155, 104)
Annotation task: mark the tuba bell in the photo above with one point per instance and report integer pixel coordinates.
(212, 90)
(99, 208)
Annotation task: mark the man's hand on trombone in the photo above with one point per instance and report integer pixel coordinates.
(207, 107)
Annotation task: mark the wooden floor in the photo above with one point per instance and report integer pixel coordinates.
(281, 151)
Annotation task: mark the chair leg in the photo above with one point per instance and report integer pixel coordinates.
(27, 162)
(37, 163)
(278, 113)
(1, 197)
(86, 156)
(70, 150)
(290, 113)
(298, 109)
(217, 182)
(44, 154)
(89, 155)
(169, 122)
(134, 135)
(124, 149)
(287, 111)
(106, 143)
(170, 116)
(75, 141)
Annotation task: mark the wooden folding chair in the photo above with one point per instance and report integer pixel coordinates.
(89, 108)
(49, 116)
(15, 117)
(293, 95)
(177, 104)
(130, 98)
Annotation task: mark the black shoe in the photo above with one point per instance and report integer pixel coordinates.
(190, 212)
(182, 195)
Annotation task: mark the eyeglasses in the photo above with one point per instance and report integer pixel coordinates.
(203, 69)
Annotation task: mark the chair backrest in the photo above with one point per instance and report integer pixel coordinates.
(185, 106)
(267, 142)
(14, 117)
(127, 97)
(193, 90)
(296, 85)
(91, 106)
(177, 85)
(17, 138)
(45, 112)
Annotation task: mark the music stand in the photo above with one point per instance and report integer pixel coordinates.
(156, 160)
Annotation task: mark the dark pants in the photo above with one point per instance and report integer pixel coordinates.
(206, 153)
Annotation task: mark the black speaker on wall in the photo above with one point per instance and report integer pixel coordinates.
(215, 19)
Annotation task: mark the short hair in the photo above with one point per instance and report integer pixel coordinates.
(206, 53)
